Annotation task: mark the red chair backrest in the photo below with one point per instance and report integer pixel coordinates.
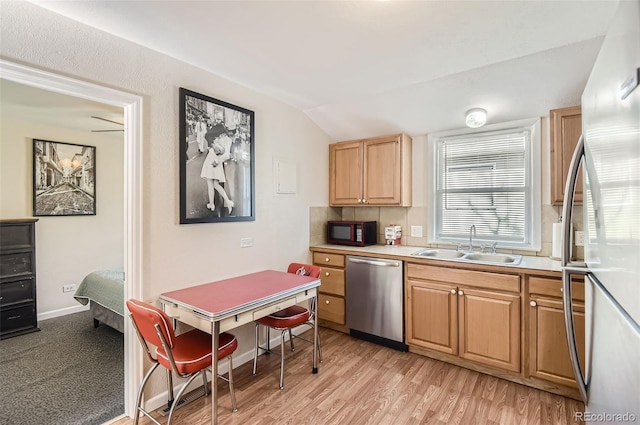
(304, 269)
(146, 317)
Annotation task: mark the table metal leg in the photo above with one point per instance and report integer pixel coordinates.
(315, 334)
(215, 332)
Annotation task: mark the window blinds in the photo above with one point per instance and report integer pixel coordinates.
(482, 179)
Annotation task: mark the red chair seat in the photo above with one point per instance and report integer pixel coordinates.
(189, 354)
(192, 351)
(290, 316)
(285, 320)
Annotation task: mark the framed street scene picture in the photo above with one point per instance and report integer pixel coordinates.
(216, 160)
(64, 179)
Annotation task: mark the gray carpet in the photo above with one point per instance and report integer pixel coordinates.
(68, 373)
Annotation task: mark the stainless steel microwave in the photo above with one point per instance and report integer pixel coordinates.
(355, 233)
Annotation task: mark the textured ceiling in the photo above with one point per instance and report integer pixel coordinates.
(363, 68)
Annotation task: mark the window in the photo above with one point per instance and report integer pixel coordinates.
(488, 179)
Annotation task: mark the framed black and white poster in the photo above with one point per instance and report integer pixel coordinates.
(216, 160)
(64, 179)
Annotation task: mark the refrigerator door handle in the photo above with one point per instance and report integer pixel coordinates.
(567, 206)
(569, 269)
(567, 304)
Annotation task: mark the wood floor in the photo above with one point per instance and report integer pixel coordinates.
(363, 383)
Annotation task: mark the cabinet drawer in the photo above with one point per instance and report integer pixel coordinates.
(335, 260)
(16, 264)
(485, 280)
(273, 308)
(331, 308)
(18, 291)
(16, 236)
(553, 287)
(12, 319)
(332, 281)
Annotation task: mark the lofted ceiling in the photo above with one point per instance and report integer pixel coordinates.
(365, 68)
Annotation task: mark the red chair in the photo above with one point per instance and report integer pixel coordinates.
(287, 319)
(187, 355)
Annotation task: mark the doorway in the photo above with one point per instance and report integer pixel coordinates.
(132, 110)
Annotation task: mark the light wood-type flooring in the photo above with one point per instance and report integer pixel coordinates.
(363, 383)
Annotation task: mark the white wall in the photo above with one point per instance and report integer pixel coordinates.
(180, 255)
(174, 255)
(67, 248)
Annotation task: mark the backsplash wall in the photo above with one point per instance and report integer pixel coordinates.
(417, 216)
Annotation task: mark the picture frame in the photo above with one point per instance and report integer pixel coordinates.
(217, 170)
(64, 179)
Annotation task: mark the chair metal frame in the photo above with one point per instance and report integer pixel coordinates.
(309, 322)
(173, 402)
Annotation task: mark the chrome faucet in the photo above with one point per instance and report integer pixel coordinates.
(472, 233)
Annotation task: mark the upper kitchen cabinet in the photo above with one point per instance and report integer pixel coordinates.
(566, 128)
(371, 172)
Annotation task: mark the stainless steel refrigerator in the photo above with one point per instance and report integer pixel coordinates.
(609, 151)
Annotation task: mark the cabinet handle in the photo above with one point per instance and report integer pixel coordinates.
(364, 201)
(359, 200)
(533, 303)
(326, 302)
(453, 291)
(327, 259)
(561, 289)
(460, 292)
(326, 274)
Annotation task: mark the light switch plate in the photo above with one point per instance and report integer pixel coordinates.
(416, 231)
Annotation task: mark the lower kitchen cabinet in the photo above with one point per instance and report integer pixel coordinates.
(331, 301)
(489, 326)
(470, 314)
(432, 316)
(507, 322)
(331, 308)
(548, 349)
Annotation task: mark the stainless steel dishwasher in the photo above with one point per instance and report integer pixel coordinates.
(375, 300)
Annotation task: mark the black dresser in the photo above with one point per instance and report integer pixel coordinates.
(18, 314)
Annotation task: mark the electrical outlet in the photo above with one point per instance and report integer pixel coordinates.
(68, 288)
(579, 238)
(416, 231)
(246, 242)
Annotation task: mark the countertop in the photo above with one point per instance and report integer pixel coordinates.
(403, 252)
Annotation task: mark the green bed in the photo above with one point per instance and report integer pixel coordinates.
(103, 291)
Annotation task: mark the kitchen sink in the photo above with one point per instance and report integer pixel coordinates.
(471, 257)
(493, 258)
(438, 253)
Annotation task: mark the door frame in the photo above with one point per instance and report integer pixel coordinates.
(132, 106)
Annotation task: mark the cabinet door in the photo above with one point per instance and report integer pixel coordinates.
(382, 172)
(490, 328)
(548, 349)
(432, 316)
(345, 174)
(566, 128)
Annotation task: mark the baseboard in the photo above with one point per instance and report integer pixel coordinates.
(62, 312)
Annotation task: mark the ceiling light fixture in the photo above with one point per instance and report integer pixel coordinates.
(476, 117)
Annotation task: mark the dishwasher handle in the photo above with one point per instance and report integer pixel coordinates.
(381, 263)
